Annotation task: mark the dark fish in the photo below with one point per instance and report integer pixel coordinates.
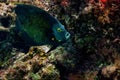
(37, 27)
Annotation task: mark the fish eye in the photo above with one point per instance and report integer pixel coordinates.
(59, 30)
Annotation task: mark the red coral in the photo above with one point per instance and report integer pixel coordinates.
(65, 3)
(104, 1)
(106, 10)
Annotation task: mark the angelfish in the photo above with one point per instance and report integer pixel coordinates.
(37, 27)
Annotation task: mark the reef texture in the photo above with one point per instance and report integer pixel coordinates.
(92, 53)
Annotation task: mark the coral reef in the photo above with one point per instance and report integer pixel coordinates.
(33, 65)
(92, 53)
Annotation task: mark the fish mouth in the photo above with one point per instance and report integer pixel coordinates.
(63, 38)
(67, 35)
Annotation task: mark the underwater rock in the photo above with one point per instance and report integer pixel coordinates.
(33, 65)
